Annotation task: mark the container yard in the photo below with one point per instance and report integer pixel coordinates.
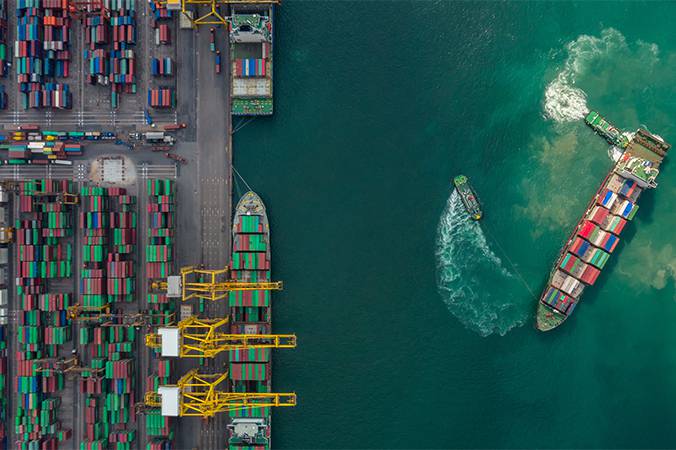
(125, 296)
(597, 234)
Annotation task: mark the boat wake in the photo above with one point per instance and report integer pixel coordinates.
(566, 102)
(563, 101)
(468, 272)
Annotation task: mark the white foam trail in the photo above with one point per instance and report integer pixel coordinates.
(564, 101)
(463, 255)
(614, 153)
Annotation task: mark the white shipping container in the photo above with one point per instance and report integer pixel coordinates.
(4, 255)
(251, 87)
(3, 297)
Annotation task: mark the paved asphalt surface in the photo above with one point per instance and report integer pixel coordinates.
(203, 197)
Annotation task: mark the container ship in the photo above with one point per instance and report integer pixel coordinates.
(597, 234)
(250, 313)
(251, 35)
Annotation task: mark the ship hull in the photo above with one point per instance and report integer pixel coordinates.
(468, 197)
(597, 233)
(250, 313)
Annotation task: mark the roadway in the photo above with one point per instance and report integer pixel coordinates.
(214, 169)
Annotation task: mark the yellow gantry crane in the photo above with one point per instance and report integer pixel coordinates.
(65, 198)
(102, 313)
(208, 284)
(65, 366)
(197, 395)
(213, 16)
(197, 338)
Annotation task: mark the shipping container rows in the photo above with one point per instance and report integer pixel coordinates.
(595, 238)
(44, 254)
(44, 32)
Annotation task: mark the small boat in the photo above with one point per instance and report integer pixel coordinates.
(468, 197)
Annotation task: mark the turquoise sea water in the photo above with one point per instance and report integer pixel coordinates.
(415, 326)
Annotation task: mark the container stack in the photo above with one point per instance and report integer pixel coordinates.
(162, 97)
(160, 12)
(109, 389)
(94, 224)
(4, 319)
(99, 69)
(122, 74)
(3, 40)
(97, 36)
(3, 383)
(108, 221)
(250, 313)
(43, 256)
(120, 261)
(121, 57)
(41, 53)
(162, 34)
(3, 52)
(161, 67)
(250, 67)
(56, 23)
(160, 248)
(96, 31)
(158, 428)
(28, 48)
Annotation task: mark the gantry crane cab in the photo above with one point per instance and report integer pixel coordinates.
(6, 235)
(206, 284)
(197, 395)
(206, 338)
(70, 366)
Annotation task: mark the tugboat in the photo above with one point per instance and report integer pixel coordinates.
(468, 197)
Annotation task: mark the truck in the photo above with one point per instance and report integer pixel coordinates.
(218, 62)
(153, 137)
(175, 126)
(148, 119)
(176, 157)
(212, 39)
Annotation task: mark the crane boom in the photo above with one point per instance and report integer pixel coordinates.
(209, 284)
(198, 338)
(197, 395)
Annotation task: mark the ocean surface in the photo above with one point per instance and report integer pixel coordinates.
(415, 326)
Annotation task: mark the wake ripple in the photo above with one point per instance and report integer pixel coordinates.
(468, 273)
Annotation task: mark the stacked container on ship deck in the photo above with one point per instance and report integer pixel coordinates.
(43, 255)
(595, 238)
(250, 312)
